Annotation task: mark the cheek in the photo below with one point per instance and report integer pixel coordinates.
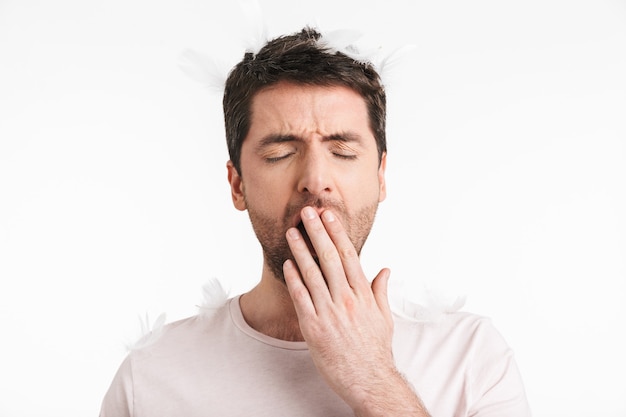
(362, 186)
(256, 182)
(265, 193)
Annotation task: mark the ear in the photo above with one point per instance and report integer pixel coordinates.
(382, 194)
(236, 186)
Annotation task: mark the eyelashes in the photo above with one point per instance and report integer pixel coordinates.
(338, 150)
(339, 155)
(274, 159)
(348, 157)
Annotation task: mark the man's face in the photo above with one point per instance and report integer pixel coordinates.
(307, 145)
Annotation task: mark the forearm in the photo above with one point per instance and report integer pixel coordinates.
(390, 397)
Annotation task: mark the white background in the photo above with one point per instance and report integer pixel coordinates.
(506, 172)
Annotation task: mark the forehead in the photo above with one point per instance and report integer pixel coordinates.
(305, 110)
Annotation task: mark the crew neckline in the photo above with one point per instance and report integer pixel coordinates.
(240, 322)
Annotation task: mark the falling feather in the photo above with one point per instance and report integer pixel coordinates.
(214, 296)
(390, 61)
(255, 25)
(429, 312)
(203, 69)
(433, 305)
(150, 333)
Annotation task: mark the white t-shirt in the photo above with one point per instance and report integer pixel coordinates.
(217, 365)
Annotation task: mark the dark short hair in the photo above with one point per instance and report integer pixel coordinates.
(300, 59)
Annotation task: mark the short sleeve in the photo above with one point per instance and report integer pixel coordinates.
(118, 401)
(498, 388)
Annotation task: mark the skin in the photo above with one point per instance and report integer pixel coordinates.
(310, 156)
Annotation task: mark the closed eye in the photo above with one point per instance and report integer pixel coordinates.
(343, 150)
(344, 156)
(276, 147)
(274, 159)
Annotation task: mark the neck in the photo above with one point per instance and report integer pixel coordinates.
(268, 309)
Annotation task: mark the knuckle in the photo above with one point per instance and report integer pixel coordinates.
(312, 272)
(328, 255)
(347, 252)
(348, 302)
(300, 295)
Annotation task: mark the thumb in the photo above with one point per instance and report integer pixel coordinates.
(379, 288)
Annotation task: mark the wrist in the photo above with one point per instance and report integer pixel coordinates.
(390, 395)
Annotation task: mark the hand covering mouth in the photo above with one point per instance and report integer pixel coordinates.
(305, 236)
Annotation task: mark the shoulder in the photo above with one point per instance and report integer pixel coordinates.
(467, 339)
(469, 332)
(186, 331)
(161, 354)
(460, 355)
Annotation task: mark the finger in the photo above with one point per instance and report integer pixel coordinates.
(327, 254)
(298, 291)
(309, 272)
(349, 258)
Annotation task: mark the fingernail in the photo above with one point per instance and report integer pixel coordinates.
(328, 216)
(293, 234)
(308, 212)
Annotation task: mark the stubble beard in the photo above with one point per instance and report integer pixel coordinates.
(271, 232)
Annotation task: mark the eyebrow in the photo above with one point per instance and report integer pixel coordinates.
(335, 137)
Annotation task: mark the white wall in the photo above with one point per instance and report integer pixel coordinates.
(507, 170)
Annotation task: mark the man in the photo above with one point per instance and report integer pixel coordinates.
(305, 127)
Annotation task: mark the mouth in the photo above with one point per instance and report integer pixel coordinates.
(305, 236)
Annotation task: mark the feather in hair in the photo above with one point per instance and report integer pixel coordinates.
(212, 74)
(344, 41)
(255, 24)
(386, 65)
(339, 39)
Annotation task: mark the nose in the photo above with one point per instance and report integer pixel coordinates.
(315, 175)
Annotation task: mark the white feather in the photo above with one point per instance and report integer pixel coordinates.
(150, 333)
(256, 25)
(345, 41)
(386, 65)
(340, 39)
(204, 69)
(214, 296)
(432, 306)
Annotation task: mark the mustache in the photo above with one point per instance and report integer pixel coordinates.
(314, 201)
